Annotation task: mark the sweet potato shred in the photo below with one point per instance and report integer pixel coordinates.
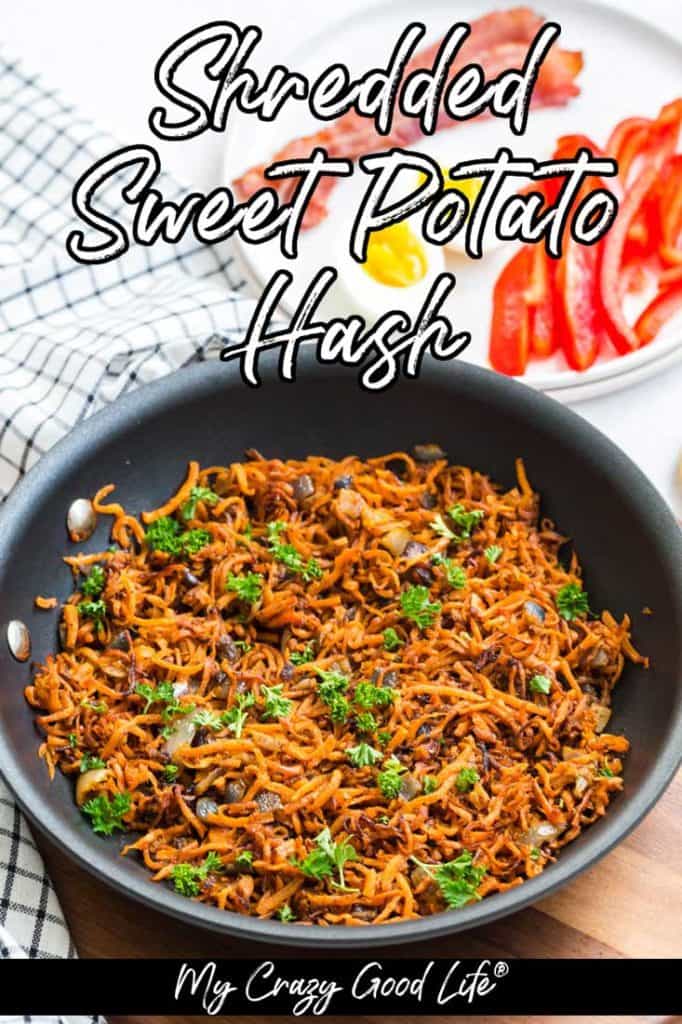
(488, 763)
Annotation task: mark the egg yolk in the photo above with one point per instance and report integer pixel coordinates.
(395, 256)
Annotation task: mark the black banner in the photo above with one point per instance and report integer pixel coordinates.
(343, 986)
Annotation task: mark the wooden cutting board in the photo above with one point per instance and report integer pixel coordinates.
(628, 905)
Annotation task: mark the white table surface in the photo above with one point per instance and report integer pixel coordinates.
(103, 57)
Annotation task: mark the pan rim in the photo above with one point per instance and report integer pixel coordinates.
(150, 399)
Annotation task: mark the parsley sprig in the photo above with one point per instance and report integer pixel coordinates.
(105, 814)
(331, 688)
(572, 601)
(466, 780)
(93, 584)
(417, 607)
(164, 694)
(304, 656)
(389, 780)
(363, 755)
(247, 588)
(166, 534)
(458, 880)
(391, 640)
(540, 684)
(276, 706)
(367, 695)
(289, 556)
(235, 717)
(454, 574)
(327, 859)
(88, 762)
(95, 610)
(197, 494)
(188, 878)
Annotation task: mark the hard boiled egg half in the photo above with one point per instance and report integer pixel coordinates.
(398, 273)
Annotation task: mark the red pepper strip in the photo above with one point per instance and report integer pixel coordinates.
(670, 276)
(509, 332)
(540, 296)
(670, 211)
(580, 323)
(659, 310)
(625, 142)
(621, 334)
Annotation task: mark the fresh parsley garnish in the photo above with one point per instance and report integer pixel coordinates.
(458, 880)
(367, 695)
(192, 541)
(572, 601)
(607, 772)
(454, 574)
(466, 779)
(331, 688)
(93, 584)
(391, 639)
(430, 785)
(493, 553)
(304, 656)
(105, 814)
(276, 706)
(207, 719)
(439, 526)
(73, 739)
(383, 737)
(540, 684)
(289, 556)
(166, 534)
(417, 607)
(235, 717)
(197, 494)
(363, 755)
(466, 521)
(161, 694)
(88, 762)
(95, 610)
(389, 780)
(366, 722)
(170, 772)
(247, 588)
(534, 853)
(244, 860)
(99, 706)
(188, 878)
(328, 858)
(286, 914)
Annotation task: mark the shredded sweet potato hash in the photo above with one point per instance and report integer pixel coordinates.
(336, 692)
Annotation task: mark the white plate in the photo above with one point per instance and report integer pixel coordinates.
(631, 68)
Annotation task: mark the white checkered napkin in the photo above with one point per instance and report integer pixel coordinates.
(73, 338)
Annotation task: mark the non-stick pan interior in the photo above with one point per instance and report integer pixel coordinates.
(628, 543)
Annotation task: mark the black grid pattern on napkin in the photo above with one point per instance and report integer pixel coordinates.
(72, 339)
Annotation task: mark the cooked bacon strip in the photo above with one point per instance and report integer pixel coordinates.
(498, 41)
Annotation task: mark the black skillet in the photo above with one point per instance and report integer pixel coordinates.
(626, 537)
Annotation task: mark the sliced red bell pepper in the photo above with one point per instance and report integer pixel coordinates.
(580, 323)
(540, 297)
(659, 311)
(610, 285)
(626, 141)
(509, 332)
(670, 211)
